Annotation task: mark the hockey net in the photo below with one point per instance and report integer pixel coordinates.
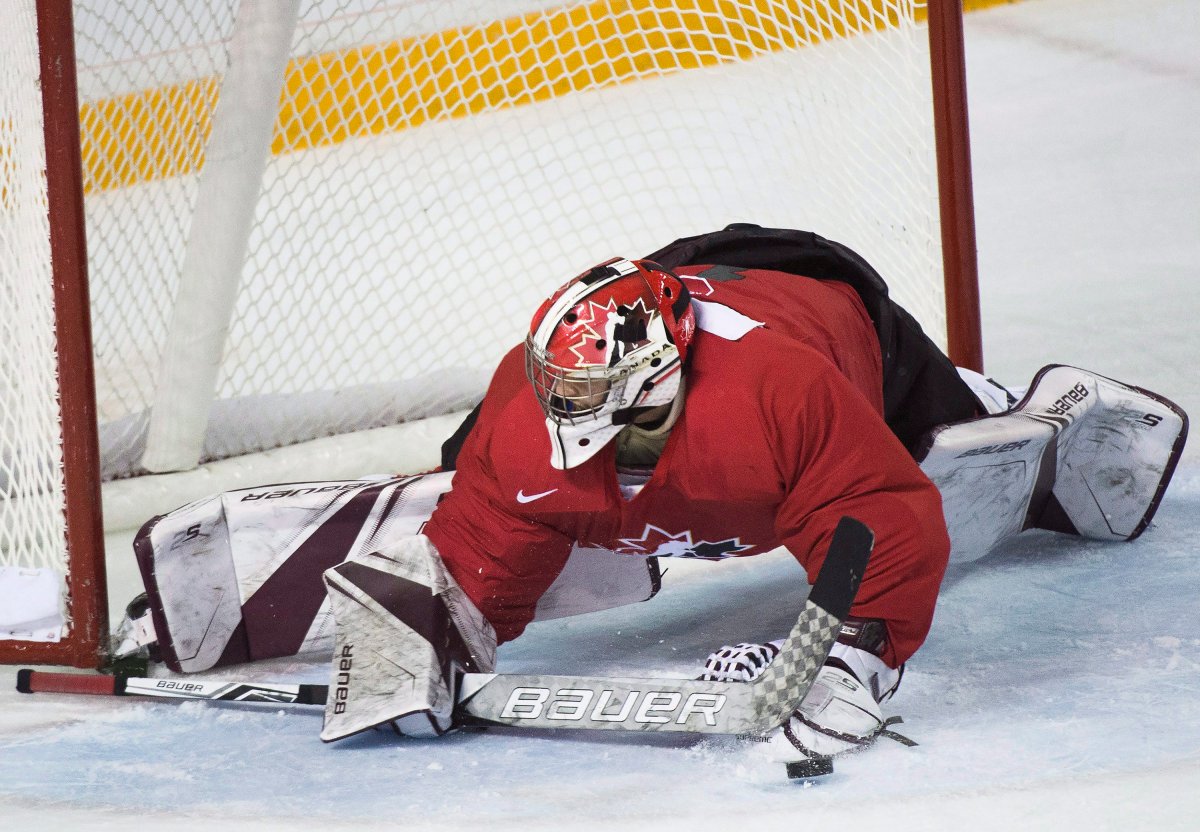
(329, 218)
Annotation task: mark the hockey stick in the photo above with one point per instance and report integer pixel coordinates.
(551, 701)
(41, 681)
(690, 706)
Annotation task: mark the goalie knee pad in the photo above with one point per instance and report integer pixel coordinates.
(1080, 454)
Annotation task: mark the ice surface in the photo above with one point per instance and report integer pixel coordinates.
(1060, 686)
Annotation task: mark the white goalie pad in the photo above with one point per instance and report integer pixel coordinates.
(237, 576)
(1080, 454)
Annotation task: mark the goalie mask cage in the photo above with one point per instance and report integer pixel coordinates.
(330, 218)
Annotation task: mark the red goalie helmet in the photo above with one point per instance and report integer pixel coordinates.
(606, 346)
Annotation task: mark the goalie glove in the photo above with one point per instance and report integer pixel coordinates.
(839, 714)
(841, 711)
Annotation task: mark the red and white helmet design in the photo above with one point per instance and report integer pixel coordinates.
(605, 347)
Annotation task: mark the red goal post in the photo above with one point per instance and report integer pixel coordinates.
(964, 332)
(313, 192)
(52, 518)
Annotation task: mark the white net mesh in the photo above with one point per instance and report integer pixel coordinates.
(439, 166)
(32, 526)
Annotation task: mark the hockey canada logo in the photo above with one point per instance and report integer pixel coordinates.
(659, 543)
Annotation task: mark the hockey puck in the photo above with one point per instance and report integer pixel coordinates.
(810, 768)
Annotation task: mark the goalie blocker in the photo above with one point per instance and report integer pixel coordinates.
(406, 633)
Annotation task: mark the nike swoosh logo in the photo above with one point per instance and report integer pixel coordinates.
(522, 497)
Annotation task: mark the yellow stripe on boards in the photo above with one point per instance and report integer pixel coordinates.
(976, 5)
(384, 88)
(509, 63)
(145, 135)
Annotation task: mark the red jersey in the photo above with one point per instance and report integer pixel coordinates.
(781, 434)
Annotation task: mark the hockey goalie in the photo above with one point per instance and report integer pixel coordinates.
(729, 394)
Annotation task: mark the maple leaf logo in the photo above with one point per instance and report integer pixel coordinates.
(701, 285)
(589, 328)
(659, 543)
(621, 328)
